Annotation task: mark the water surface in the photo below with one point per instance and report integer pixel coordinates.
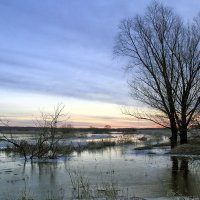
(149, 173)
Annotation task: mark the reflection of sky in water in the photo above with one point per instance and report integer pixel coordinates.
(142, 174)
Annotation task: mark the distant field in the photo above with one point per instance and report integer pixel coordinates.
(35, 130)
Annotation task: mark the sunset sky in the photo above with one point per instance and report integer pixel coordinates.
(61, 51)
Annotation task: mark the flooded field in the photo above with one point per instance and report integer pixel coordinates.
(109, 172)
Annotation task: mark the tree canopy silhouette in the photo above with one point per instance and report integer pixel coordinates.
(164, 60)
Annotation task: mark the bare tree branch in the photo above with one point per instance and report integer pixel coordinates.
(164, 57)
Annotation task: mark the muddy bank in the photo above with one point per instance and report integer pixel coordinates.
(187, 149)
(192, 148)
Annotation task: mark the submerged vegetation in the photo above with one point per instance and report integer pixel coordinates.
(107, 189)
(59, 150)
(82, 188)
(43, 151)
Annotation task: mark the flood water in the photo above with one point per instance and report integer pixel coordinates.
(147, 174)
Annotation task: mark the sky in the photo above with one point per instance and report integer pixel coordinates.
(61, 51)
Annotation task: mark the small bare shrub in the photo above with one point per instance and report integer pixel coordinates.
(47, 144)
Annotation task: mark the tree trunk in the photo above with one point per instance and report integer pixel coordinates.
(173, 139)
(174, 131)
(183, 135)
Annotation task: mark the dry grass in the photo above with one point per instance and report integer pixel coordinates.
(94, 145)
(192, 148)
(186, 149)
(146, 147)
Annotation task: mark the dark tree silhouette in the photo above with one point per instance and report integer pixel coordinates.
(164, 62)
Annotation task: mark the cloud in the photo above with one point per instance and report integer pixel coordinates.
(64, 47)
(58, 78)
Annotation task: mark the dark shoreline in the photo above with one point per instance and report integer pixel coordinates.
(26, 130)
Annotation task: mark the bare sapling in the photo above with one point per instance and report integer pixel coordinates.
(47, 142)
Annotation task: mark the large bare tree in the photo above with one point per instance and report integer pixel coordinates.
(164, 60)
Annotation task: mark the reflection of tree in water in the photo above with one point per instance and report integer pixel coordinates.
(44, 174)
(182, 182)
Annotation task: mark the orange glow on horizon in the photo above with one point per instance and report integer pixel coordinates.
(84, 121)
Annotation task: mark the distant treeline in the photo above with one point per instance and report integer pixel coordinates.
(70, 130)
